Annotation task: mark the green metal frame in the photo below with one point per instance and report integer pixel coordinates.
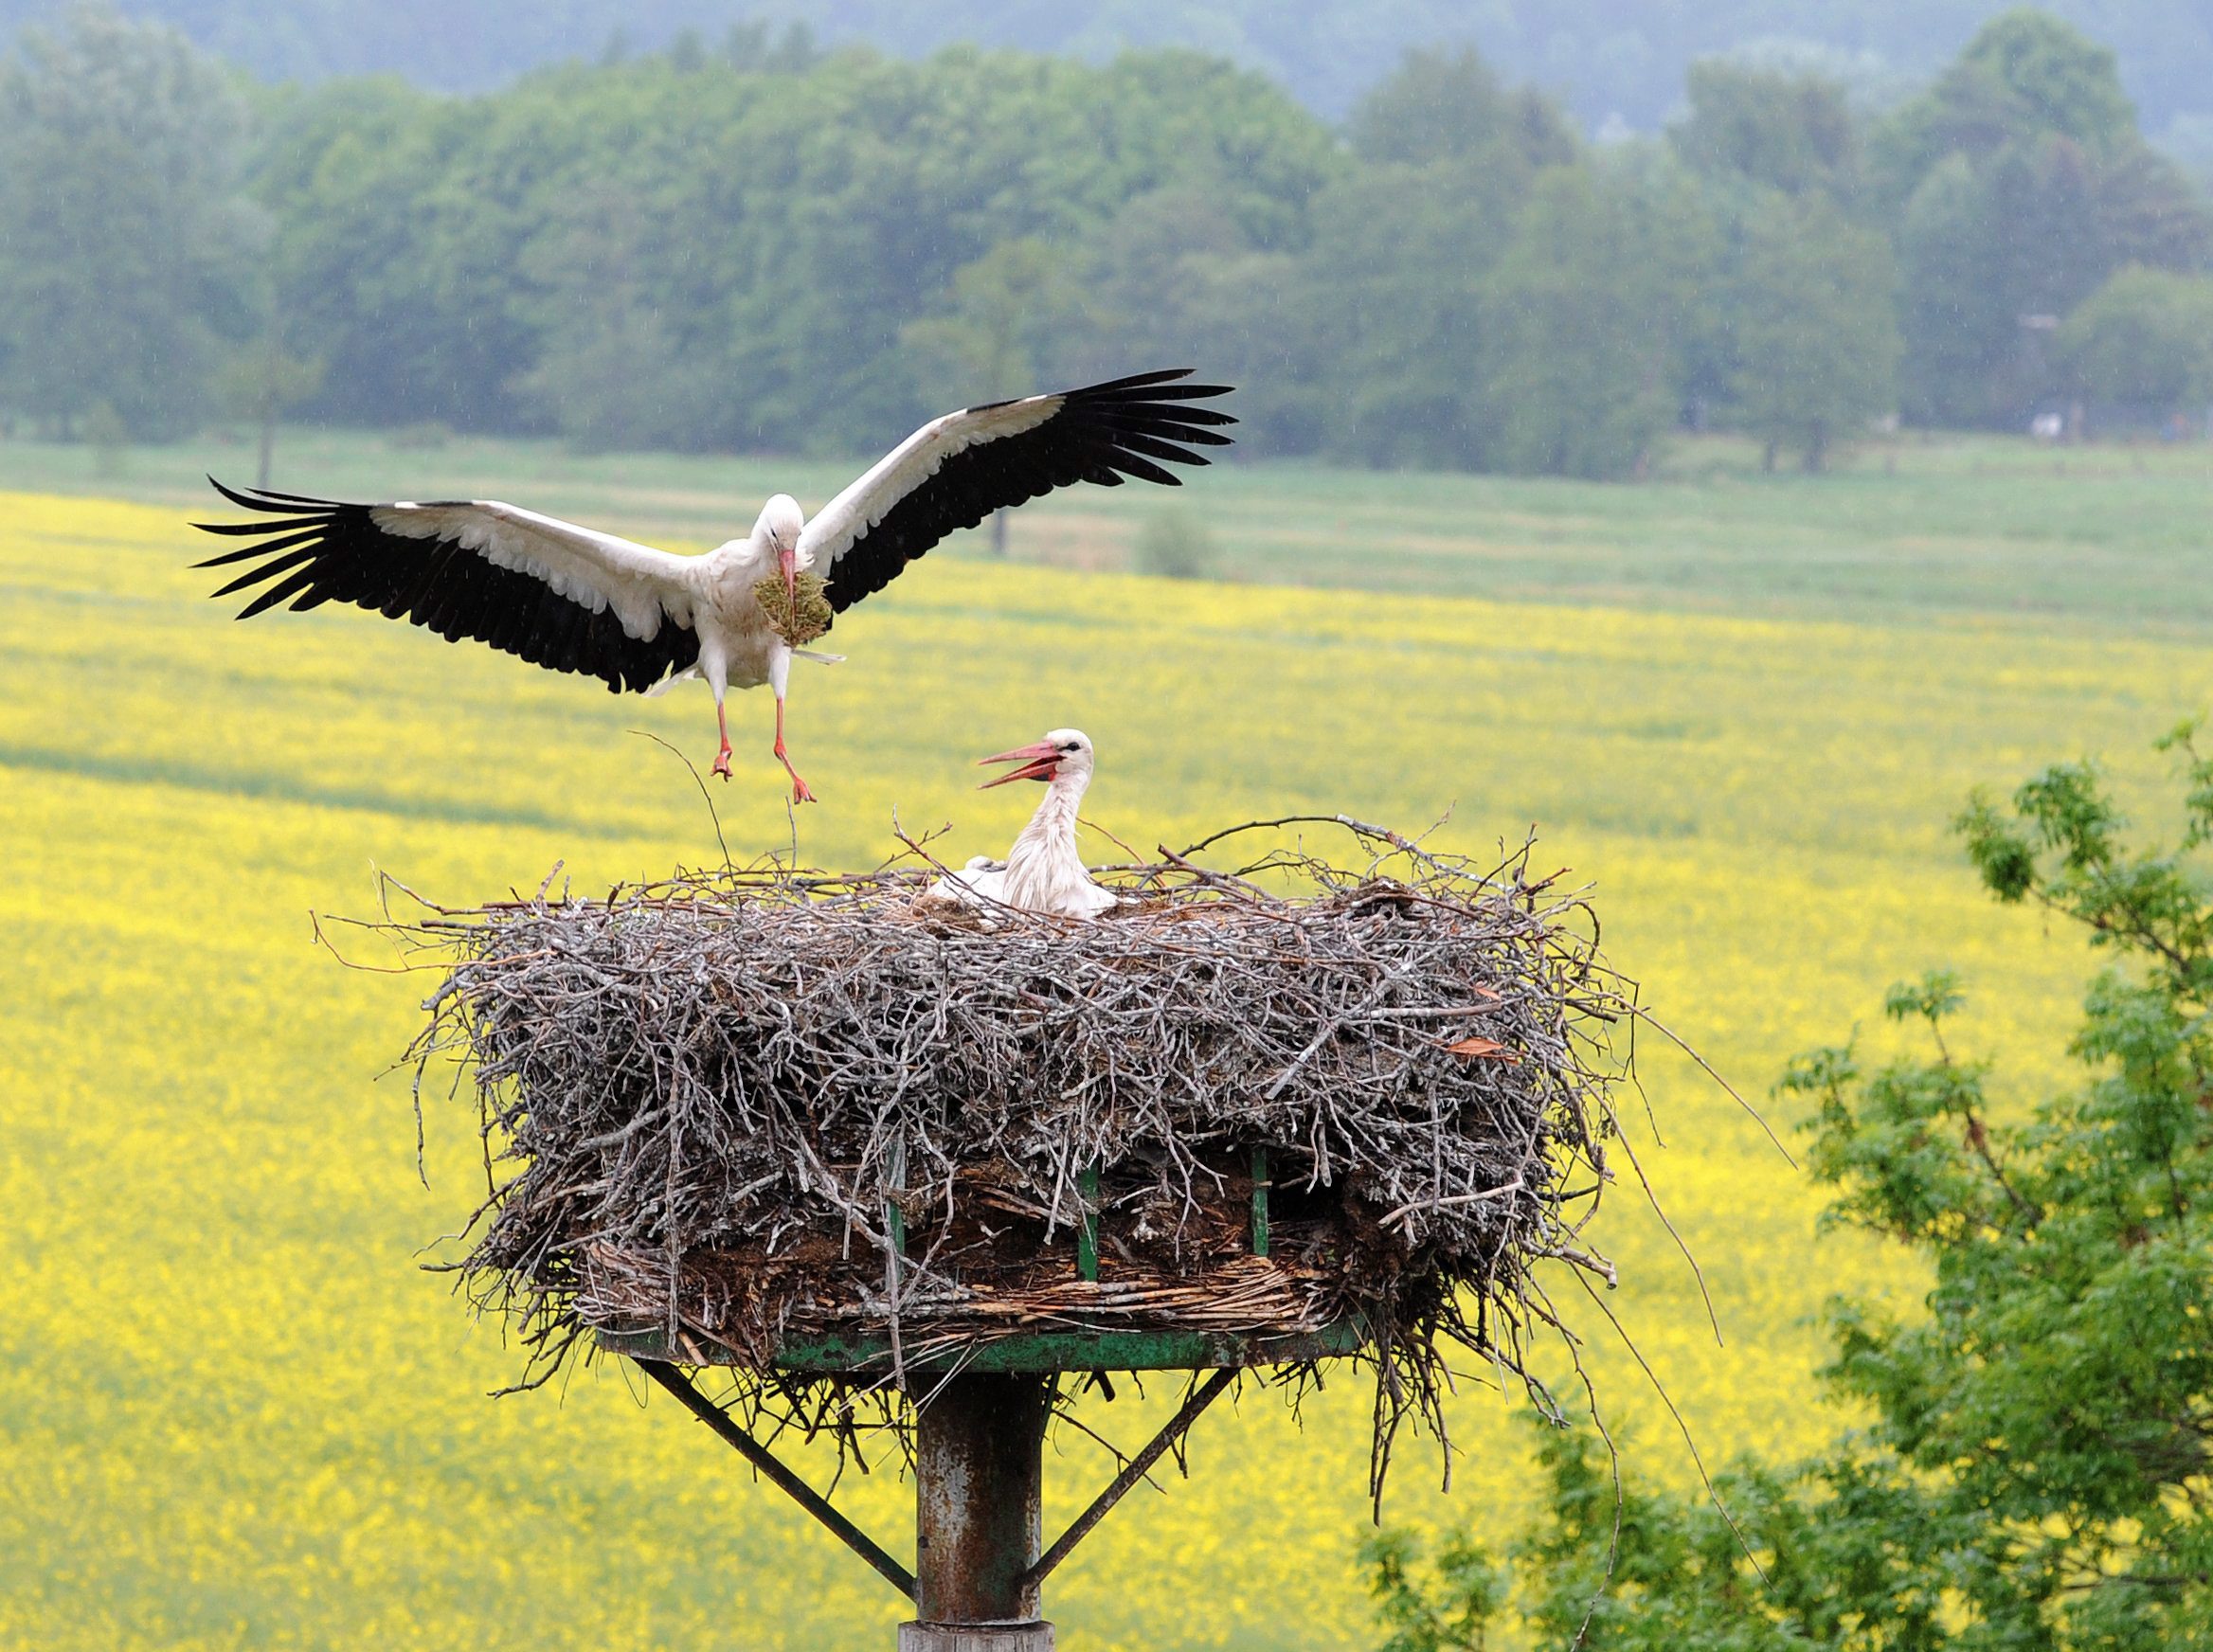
(868, 1353)
(1088, 1229)
(1260, 1186)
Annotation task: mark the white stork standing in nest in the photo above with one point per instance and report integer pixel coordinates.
(1043, 872)
(575, 600)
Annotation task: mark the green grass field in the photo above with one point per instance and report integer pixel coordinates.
(1919, 527)
(235, 1411)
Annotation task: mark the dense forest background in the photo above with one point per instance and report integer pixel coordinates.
(763, 243)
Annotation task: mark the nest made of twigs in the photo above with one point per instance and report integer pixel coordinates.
(718, 1100)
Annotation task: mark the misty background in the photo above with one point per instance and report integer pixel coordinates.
(1493, 237)
(1602, 58)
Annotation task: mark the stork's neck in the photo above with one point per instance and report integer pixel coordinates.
(1046, 850)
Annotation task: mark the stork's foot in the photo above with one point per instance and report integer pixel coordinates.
(799, 791)
(722, 763)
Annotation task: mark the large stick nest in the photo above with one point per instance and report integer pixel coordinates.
(751, 1108)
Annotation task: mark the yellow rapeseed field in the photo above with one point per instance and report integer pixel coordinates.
(235, 1412)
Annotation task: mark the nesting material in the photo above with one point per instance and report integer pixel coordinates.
(753, 1109)
(797, 622)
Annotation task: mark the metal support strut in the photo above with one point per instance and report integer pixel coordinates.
(979, 1479)
(783, 1478)
(1135, 1470)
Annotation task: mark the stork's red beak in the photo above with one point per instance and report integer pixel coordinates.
(788, 562)
(1039, 763)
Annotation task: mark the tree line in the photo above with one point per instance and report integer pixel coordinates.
(1611, 58)
(765, 247)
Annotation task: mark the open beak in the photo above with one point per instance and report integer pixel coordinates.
(788, 562)
(1038, 762)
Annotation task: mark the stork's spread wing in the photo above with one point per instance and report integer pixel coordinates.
(555, 594)
(955, 471)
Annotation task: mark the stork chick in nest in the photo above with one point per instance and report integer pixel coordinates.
(1043, 872)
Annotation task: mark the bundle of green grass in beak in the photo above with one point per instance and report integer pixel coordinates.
(798, 621)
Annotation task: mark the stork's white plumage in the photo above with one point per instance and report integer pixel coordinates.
(1044, 872)
(638, 618)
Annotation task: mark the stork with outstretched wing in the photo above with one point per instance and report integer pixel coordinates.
(575, 600)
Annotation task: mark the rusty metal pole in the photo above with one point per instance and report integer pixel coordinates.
(979, 1473)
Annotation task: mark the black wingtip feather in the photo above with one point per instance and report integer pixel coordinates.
(323, 550)
(240, 530)
(289, 586)
(1134, 380)
(269, 569)
(1188, 392)
(1124, 429)
(1163, 412)
(240, 500)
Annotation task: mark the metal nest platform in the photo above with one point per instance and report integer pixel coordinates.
(981, 1408)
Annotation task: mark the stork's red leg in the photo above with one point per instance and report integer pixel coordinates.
(722, 757)
(800, 794)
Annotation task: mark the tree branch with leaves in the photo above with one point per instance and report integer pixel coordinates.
(2039, 1473)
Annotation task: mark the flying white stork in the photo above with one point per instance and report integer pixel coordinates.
(575, 600)
(1043, 872)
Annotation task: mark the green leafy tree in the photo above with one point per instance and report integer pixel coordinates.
(613, 371)
(126, 255)
(1390, 292)
(2030, 231)
(794, 213)
(2019, 183)
(1632, 1570)
(351, 175)
(2026, 75)
(2145, 337)
(1816, 339)
(1793, 133)
(1393, 299)
(1585, 316)
(1003, 316)
(1174, 277)
(772, 246)
(1445, 1605)
(1451, 106)
(2036, 1474)
(1373, 335)
(1960, 334)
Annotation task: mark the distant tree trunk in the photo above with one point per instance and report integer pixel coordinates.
(998, 533)
(1817, 449)
(1767, 457)
(258, 385)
